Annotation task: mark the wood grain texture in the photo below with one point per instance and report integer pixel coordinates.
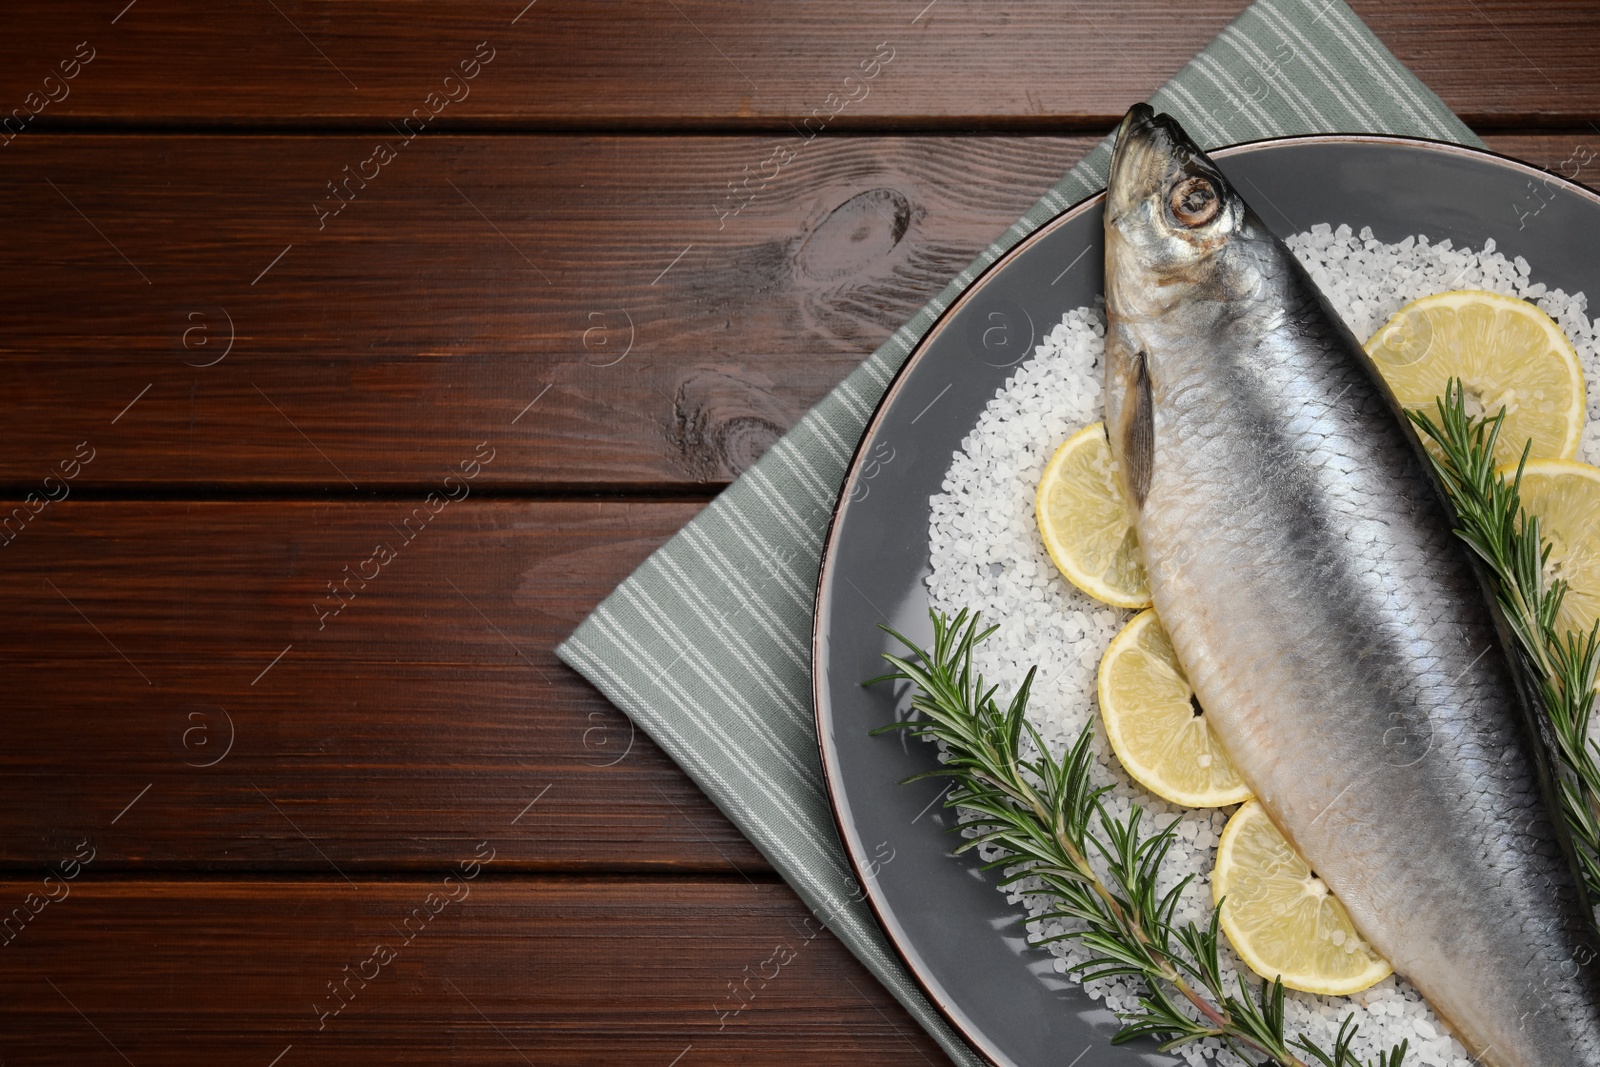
(657, 342)
(639, 64)
(409, 717)
(142, 637)
(607, 313)
(665, 352)
(493, 972)
(1553, 151)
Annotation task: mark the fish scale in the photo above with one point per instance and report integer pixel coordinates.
(1302, 560)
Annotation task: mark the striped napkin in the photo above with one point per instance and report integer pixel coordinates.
(708, 644)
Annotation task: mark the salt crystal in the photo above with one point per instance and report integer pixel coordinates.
(983, 517)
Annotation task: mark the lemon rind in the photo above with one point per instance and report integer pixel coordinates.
(1138, 771)
(1563, 345)
(1085, 583)
(1304, 983)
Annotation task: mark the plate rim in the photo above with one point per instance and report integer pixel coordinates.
(950, 1012)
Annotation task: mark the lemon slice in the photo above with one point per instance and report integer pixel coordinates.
(1566, 497)
(1154, 724)
(1086, 523)
(1280, 917)
(1507, 354)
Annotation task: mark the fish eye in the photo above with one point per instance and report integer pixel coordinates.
(1194, 202)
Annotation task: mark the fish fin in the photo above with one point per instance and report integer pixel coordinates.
(1138, 431)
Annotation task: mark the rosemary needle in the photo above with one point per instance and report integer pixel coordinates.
(1560, 665)
(1050, 820)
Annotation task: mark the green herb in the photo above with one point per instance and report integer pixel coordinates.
(1561, 665)
(1100, 871)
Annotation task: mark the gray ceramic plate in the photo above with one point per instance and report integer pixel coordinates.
(956, 933)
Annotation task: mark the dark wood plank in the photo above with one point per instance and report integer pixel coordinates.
(202, 596)
(140, 637)
(474, 275)
(566, 63)
(383, 348)
(441, 334)
(494, 972)
(1563, 153)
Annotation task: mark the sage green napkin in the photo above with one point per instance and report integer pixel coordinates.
(708, 644)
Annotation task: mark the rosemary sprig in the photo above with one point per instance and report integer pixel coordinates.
(1561, 665)
(1051, 820)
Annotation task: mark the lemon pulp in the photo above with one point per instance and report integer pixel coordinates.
(1156, 727)
(1086, 523)
(1565, 495)
(1506, 352)
(1281, 918)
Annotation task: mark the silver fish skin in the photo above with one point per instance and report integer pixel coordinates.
(1302, 560)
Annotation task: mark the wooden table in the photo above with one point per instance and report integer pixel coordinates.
(313, 450)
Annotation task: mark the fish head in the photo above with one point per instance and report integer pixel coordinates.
(1184, 257)
(1169, 215)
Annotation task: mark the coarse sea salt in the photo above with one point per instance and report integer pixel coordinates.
(987, 556)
